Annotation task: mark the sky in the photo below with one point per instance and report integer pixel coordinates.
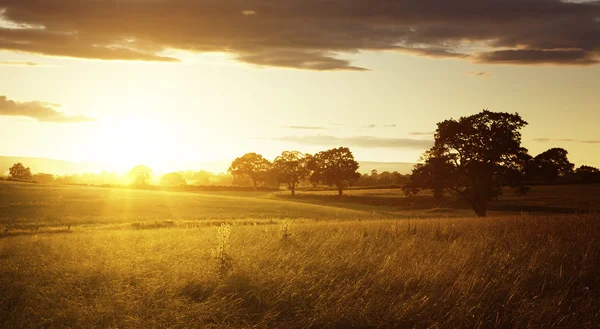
(172, 84)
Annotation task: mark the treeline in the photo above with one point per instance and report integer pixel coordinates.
(18, 172)
(474, 157)
(477, 156)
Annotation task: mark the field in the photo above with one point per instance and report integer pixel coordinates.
(119, 258)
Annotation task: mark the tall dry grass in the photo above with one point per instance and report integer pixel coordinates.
(510, 272)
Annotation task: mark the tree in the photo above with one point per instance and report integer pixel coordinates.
(43, 178)
(485, 154)
(399, 179)
(202, 177)
(334, 167)
(588, 174)
(290, 168)
(251, 165)
(435, 173)
(550, 165)
(19, 172)
(140, 176)
(172, 179)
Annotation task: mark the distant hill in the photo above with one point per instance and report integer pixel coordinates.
(63, 167)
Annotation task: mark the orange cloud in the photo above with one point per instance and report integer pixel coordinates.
(41, 111)
(306, 34)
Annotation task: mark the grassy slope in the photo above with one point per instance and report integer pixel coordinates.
(547, 199)
(28, 205)
(451, 273)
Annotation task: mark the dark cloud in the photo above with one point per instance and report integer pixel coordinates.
(41, 111)
(18, 63)
(318, 61)
(304, 127)
(569, 140)
(307, 34)
(359, 141)
(536, 56)
(479, 74)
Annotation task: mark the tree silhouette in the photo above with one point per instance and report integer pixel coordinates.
(43, 178)
(172, 179)
(435, 174)
(334, 167)
(290, 168)
(548, 166)
(140, 176)
(588, 174)
(251, 165)
(485, 153)
(19, 172)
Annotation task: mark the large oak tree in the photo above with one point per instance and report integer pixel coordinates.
(485, 154)
(251, 165)
(334, 167)
(290, 168)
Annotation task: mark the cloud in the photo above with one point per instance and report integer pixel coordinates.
(568, 140)
(304, 127)
(307, 34)
(418, 133)
(376, 126)
(540, 56)
(309, 60)
(358, 141)
(41, 111)
(18, 63)
(479, 74)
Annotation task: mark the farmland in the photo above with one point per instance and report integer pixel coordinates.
(99, 257)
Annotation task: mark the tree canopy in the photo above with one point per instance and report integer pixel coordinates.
(550, 165)
(334, 167)
(483, 154)
(290, 168)
(140, 176)
(43, 178)
(434, 173)
(172, 179)
(251, 165)
(20, 172)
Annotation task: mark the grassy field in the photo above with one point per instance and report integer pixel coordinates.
(545, 199)
(139, 259)
(29, 206)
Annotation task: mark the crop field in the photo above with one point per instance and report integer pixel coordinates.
(87, 257)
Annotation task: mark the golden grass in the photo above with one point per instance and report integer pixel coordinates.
(509, 272)
(32, 206)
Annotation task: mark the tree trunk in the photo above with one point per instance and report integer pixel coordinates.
(438, 194)
(340, 192)
(293, 188)
(254, 184)
(480, 195)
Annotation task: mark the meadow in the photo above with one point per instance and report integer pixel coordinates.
(119, 258)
